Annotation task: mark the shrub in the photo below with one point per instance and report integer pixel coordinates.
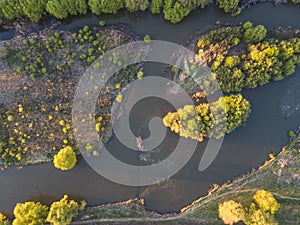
(30, 213)
(231, 212)
(65, 159)
(63, 211)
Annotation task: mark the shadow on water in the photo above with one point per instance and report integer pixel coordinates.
(275, 110)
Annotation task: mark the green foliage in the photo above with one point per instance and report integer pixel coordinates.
(34, 10)
(147, 39)
(11, 9)
(63, 211)
(33, 213)
(105, 6)
(56, 9)
(136, 5)
(229, 6)
(208, 120)
(255, 65)
(175, 12)
(255, 34)
(102, 23)
(3, 220)
(156, 6)
(62, 8)
(231, 212)
(65, 159)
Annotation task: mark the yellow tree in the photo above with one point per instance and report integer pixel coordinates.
(256, 216)
(63, 211)
(3, 220)
(266, 201)
(231, 212)
(33, 213)
(65, 159)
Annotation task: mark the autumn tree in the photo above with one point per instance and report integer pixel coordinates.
(3, 220)
(231, 212)
(209, 119)
(257, 216)
(62, 212)
(266, 201)
(105, 6)
(65, 159)
(33, 213)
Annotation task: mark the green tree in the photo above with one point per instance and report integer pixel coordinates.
(255, 34)
(228, 5)
(3, 220)
(11, 9)
(63, 211)
(34, 10)
(65, 159)
(62, 8)
(56, 9)
(175, 12)
(105, 6)
(136, 5)
(33, 213)
(231, 212)
(266, 201)
(156, 6)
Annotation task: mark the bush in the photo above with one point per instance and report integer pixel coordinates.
(3, 220)
(63, 211)
(231, 212)
(147, 39)
(102, 23)
(266, 201)
(65, 159)
(255, 34)
(30, 213)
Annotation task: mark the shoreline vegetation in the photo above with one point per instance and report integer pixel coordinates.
(29, 70)
(173, 11)
(280, 175)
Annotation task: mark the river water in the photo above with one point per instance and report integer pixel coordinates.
(275, 110)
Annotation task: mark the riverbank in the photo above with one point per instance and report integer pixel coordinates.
(280, 175)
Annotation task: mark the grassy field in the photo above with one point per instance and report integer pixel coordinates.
(280, 176)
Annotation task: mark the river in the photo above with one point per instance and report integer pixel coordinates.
(275, 110)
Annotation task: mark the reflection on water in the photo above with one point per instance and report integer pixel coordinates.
(290, 103)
